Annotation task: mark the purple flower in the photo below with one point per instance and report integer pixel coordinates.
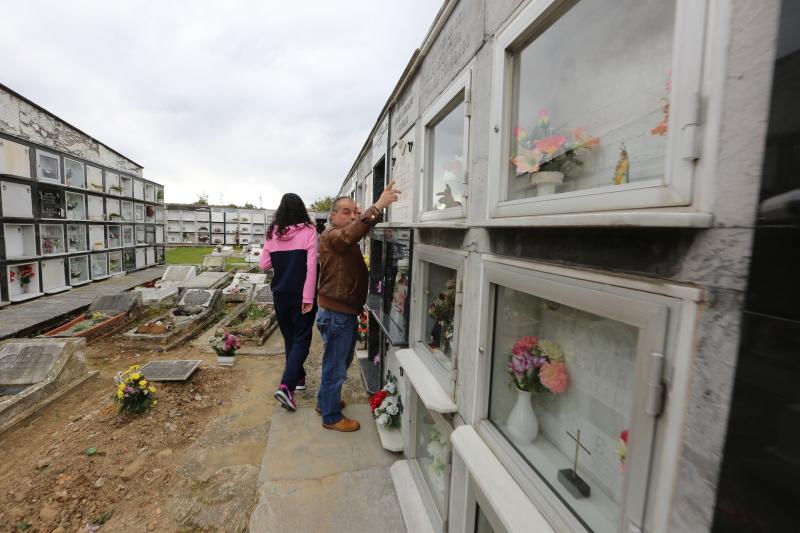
(519, 365)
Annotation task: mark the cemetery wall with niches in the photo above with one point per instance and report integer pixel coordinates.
(598, 209)
(72, 210)
(205, 225)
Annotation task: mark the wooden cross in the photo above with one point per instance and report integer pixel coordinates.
(578, 447)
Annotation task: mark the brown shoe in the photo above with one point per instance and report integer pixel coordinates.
(342, 405)
(345, 425)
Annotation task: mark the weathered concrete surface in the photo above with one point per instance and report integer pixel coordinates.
(315, 480)
(219, 471)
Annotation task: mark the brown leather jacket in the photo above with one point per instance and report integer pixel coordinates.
(343, 274)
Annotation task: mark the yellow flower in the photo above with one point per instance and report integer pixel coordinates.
(151, 389)
(143, 383)
(136, 376)
(155, 402)
(119, 394)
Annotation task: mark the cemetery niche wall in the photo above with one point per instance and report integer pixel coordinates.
(569, 192)
(53, 180)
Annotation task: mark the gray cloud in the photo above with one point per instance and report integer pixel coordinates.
(239, 99)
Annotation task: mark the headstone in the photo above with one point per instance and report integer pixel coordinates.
(214, 262)
(177, 370)
(201, 297)
(114, 304)
(206, 280)
(263, 295)
(33, 371)
(245, 277)
(179, 272)
(23, 364)
(50, 202)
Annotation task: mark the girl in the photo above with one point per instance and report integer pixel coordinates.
(291, 251)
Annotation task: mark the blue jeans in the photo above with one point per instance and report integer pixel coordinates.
(338, 331)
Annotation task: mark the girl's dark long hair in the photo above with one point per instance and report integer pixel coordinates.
(290, 212)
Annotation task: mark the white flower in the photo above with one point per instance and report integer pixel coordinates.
(392, 410)
(390, 387)
(383, 420)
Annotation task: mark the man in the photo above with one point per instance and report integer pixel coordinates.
(343, 283)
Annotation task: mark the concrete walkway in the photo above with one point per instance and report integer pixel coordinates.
(28, 317)
(316, 480)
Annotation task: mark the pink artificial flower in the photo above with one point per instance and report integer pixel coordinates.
(519, 365)
(526, 344)
(527, 159)
(550, 145)
(544, 116)
(554, 376)
(520, 134)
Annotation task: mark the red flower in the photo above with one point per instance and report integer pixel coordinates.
(624, 436)
(377, 400)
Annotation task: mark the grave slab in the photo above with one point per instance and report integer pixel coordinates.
(119, 309)
(167, 286)
(34, 372)
(242, 286)
(114, 304)
(213, 263)
(176, 370)
(262, 294)
(206, 280)
(199, 297)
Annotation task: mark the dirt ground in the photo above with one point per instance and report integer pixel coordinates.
(49, 483)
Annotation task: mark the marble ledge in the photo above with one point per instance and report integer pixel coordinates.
(512, 506)
(411, 505)
(428, 389)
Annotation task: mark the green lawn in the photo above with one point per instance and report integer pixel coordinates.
(194, 256)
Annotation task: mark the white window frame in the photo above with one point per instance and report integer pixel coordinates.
(666, 316)
(445, 372)
(51, 155)
(83, 168)
(438, 521)
(677, 190)
(459, 91)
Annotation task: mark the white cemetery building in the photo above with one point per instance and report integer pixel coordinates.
(73, 209)
(580, 193)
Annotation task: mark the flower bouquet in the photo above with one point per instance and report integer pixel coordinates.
(386, 405)
(25, 274)
(535, 366)
(442, 310)
(622, 450)
(134, 394)
(225, 345)
(439, 450)
(363, 328)
(550, 156)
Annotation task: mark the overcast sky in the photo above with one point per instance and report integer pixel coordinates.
(238, 99)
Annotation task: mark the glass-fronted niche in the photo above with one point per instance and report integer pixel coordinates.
(600, 132)
(431, 459)
(438, 306)
(445, 152)
(390, 281)
(76, 238)
(568, 394)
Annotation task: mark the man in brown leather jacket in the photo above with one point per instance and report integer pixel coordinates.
(343, 283)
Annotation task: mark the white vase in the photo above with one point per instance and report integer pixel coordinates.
(26, 287)
(546, 181)
(522, 423)
(226, 360)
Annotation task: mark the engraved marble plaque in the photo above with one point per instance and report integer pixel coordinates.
(197, 297)
(26, 364)
(175, 370)
(263, 295)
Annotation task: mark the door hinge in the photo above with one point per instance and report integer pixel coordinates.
(655, 385)
(690, 129)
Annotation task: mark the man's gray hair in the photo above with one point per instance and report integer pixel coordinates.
(335, 205)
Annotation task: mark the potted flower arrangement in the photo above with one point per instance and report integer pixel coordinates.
(363, 330)
(225, 345)
(386, 405)
(536, 367)
(26, 274)
(442, 310)
(548, 156)
(134, 393)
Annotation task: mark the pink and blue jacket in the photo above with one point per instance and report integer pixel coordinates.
(293, 257)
